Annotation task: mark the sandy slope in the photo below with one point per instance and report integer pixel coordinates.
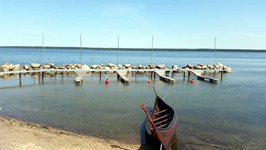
(18, 135)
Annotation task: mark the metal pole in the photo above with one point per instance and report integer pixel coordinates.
(151, 49)
(80, 49)
(117, 50)
(214, 49)
(42, 47)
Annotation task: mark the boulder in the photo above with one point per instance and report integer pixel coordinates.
(140, 67)
(204, 67)
(197, 67)
(152, 66)
(35, 65)
(3, 70)
(85, 67)
(127, 65)
(52, 65)
(160, 66)
(26, 67)
(174, 67)
(16, 67)
(8, 67)
(190, 66)
(111, 65)
(120, 66)
(228, 70)
(47, 66)
(94, 66)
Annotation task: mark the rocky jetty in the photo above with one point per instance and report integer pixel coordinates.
(110, 66)
(217, 66)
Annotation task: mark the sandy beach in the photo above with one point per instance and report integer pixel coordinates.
(19, 135)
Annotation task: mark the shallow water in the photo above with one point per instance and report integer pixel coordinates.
(227, 115)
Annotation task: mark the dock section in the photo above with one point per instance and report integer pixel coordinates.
(79, 78)
(122, 75)
(162, 76)
(198, 73)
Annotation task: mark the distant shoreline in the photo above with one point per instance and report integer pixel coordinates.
(139, 49)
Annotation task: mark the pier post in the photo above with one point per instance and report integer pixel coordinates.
(39, 77)
(221, 75)
(100, 75)
(188, 77)
(20, 83)
(117, 76)
(42, 78)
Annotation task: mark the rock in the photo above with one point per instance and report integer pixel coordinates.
(197, 67)
(140, 67)
(26, 67)
(8, 67)
(51, 65)
(210, 67)
(120, 66)
(16, 67)
(127, 65)
(204, 67)
(94, 66)
(35, 65)
(85, 67)
(3, 70)
(160, 66)
(152, 66)
(174, 67)
(62, 67)
(228, 70)
(56, 67)
(36, 69)
(190, 66)
(111, 65)
(184, 67)
(47, 66)
(79, 65)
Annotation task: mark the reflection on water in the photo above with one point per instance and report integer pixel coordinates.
(210, 115)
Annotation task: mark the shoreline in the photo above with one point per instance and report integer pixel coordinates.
(16, 134)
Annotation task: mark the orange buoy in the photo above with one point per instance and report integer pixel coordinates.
(107, 81)
(149, 81)
(192, 81)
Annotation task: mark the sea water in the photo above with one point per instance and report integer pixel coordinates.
(228, 115)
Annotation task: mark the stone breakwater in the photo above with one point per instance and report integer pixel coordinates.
(110, 66)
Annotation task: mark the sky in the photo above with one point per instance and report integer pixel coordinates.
(236, 24)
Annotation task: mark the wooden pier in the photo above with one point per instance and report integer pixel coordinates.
(79, 78)
(198, 73)
(122, 75)
(162, 76)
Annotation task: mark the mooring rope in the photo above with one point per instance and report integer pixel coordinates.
(167, 92)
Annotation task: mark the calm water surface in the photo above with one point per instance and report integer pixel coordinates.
(227, 115)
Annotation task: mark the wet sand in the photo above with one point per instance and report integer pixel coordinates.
(15, 134)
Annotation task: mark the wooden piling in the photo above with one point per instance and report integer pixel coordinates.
(221, 75)
(42, 77)
(20, 83)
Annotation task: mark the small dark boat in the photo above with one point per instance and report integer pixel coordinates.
(162, 122)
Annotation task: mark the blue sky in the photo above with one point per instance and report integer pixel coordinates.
(172, 23)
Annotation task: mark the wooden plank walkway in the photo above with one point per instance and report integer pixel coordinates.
(162, 76)
(122, 75)
(204, 78)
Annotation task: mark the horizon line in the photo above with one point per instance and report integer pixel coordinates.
(141, 49)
